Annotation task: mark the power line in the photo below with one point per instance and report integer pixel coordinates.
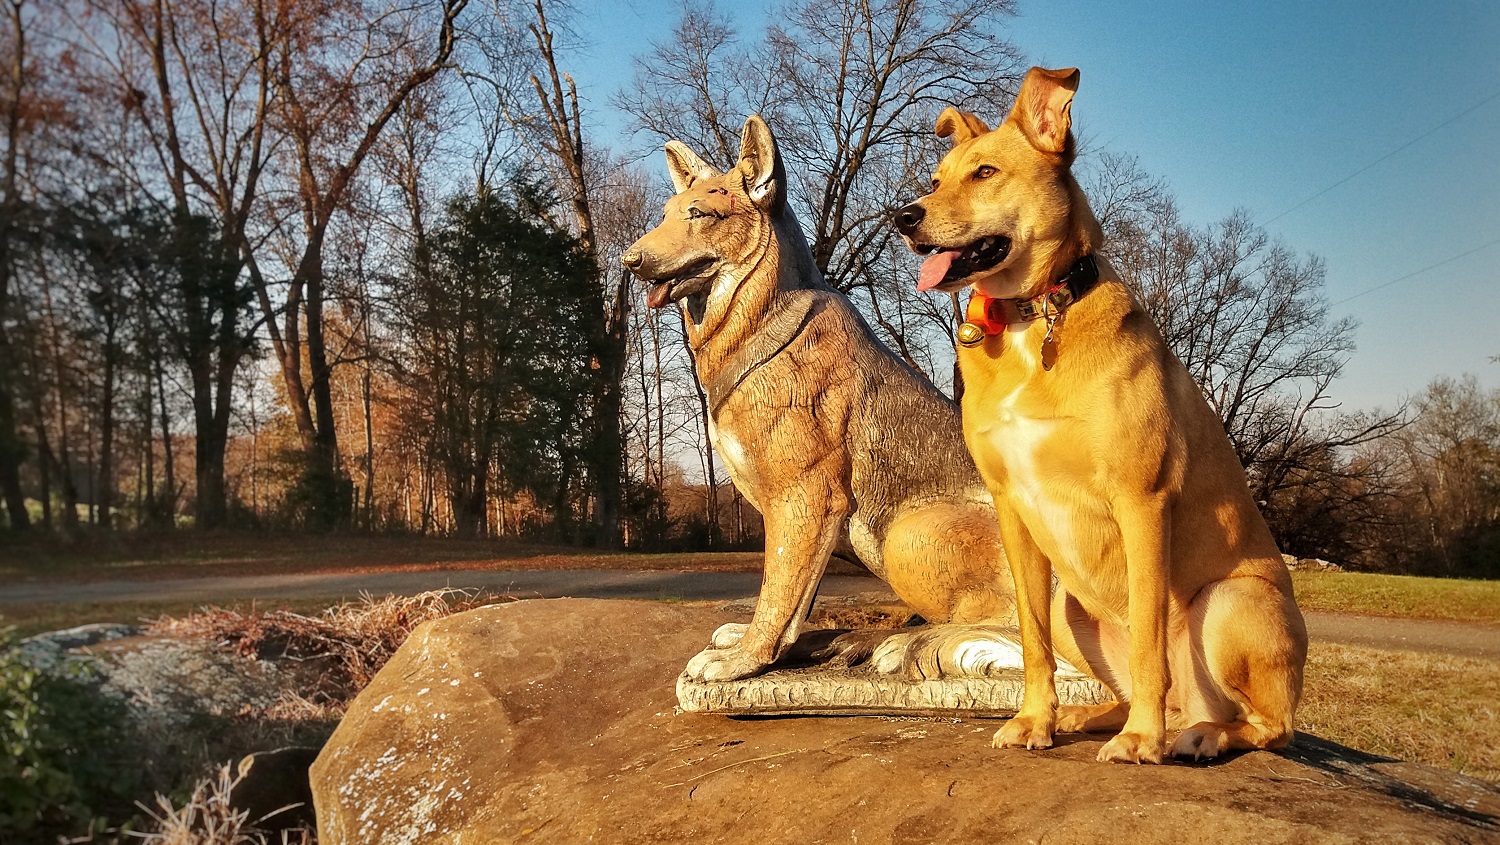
(1449, 260)
(1434, 129)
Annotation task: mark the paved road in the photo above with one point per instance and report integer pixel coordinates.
(1458, 638)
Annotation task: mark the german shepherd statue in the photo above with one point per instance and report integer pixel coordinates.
(825, 431)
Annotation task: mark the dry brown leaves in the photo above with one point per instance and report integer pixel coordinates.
(347, 643)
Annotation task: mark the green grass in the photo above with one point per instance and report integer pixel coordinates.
(1429, 708)
(1402, 596)
(187, 554)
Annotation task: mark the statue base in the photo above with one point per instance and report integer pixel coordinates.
(801, 685)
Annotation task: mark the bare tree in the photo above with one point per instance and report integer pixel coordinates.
(196, 85)
(16, 109)
(852, 90)
(1248, 318)
(341, 74)
(698, 85)
(1451, 460)
(556, 126)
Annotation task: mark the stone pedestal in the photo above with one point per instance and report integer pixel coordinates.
(799, 685)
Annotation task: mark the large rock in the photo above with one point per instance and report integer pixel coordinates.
(554, 721)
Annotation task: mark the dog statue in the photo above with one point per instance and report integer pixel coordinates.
(823, 429)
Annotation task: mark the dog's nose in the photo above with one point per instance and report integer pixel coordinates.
(909, 217)
(633, 259)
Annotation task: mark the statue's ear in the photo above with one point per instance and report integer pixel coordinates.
(760, 164)
(1044, 107)
(959, 125)
(686, 167)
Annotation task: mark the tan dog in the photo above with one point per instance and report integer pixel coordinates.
(821, 427)
(1105, 461)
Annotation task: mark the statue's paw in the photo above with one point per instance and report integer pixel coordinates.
(852, 648)
(950, 651)
(1133, 747)
(723, 664)
(1024, 731)
(889, 655)
(728, 635)
(1203, 741)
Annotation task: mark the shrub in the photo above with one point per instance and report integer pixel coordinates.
(62, 760)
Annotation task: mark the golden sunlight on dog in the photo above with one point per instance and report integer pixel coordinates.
(1105, 462)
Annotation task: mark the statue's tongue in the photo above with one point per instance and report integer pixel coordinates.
(935, 268)
(656, 295)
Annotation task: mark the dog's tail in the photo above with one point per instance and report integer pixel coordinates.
(954, 651)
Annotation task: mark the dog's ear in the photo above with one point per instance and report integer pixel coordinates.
(760, 162)
(686, 167)
(1044, 107)
(959, 125)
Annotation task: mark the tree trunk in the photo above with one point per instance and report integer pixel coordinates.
(10, 445)
(711, 500)
(44, 462)
(11, 451)
(106, 495)
(369, 502)
(147, 512)
(169, 462)
(613, 361)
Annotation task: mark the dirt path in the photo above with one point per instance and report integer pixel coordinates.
(1423, 635)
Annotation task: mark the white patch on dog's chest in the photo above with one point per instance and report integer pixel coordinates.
(1041, 500)
(736, 462)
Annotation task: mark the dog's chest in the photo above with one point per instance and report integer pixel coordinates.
(1044, 473)
(736, 461)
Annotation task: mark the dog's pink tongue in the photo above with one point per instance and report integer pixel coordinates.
(935, 268)
(656, 295)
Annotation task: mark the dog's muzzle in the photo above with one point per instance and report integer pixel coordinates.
(909, 218)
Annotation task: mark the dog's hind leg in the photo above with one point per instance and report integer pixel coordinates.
(945, 561)
(1254, 644)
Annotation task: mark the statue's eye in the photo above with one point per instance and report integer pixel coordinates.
(695, 212)
(935, 184)
(984, 172)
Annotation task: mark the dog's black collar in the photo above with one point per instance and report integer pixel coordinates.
(991, 315)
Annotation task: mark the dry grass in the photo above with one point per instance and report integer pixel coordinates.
(207, 818)
(1436, 709)
(39, 617)
(349, 642)
(1405, 596)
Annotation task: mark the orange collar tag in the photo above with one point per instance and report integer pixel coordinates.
(983, 312)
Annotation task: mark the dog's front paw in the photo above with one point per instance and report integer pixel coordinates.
(1132, 747)
(1203, 741)
(728, 635)
(723, 664)
(1024, 731)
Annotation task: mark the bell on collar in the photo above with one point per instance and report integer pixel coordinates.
(970, 334)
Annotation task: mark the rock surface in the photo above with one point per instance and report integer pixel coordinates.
(554, 721)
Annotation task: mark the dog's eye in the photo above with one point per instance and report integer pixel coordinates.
(984, 172)
(694, 213)
(934, 184)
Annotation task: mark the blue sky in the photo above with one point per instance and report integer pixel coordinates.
(1262, 106)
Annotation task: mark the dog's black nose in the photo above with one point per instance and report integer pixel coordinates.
(908, 218)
